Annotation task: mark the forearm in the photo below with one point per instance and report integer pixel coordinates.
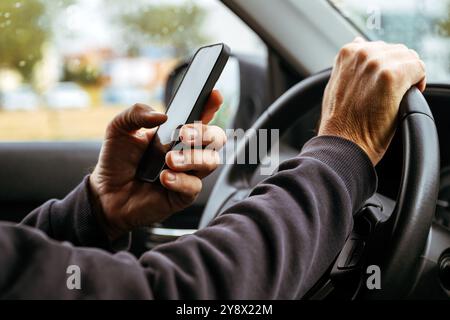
(275, 244)
(278, 242)
(34, 267)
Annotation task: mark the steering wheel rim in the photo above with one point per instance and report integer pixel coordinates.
(406, 231)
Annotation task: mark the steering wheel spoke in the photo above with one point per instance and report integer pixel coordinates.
(362, 246)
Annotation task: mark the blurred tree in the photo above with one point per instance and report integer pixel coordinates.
(24, 28)
(178, 26)
(445, 24)
(22, 32)
(84, 74)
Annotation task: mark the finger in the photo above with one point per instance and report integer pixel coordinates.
(213, 104)
(196, 134)
(134, 118)
(362, 49)
(203, 161)
(180, 182)
(414, 72)
(422, 85)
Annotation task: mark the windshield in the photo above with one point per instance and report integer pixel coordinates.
(423, 25)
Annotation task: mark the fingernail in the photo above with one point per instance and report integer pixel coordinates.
(190, 133)
(140, 133)
(170, 176)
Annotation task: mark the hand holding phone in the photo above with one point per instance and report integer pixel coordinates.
(186, 106)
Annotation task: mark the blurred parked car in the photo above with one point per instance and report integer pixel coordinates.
(117, 95)
(22, 98)
(67, 95)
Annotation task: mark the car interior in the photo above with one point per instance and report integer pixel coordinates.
(404, 228)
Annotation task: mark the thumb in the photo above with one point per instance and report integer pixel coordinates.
(134, 118)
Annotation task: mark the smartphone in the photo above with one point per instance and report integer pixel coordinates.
(186, 106)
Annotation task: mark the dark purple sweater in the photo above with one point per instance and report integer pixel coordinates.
(274, 245)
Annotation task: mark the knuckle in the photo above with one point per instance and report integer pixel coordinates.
(346, 50)
(219, 135)
(206, 159)
(215, 136)
(387, 75)
(210, 162)
(118, 122)
(215, 159)
(197, 189)
(169, 159)
(373, 64)
(224, 139)
(363, 54)
(196, 157)
(139, 107)
(136, 107)
(193, 186)
(131, 114)
(208, 133)
(112, 126)
(134, 118)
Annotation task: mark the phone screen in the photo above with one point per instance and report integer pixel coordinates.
(188, 92)
(179, 110)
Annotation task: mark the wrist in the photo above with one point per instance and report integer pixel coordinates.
(372, 155)
(110, 228)
(349, 161)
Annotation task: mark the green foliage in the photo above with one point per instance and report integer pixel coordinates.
(84, 75)
(23, 30)
(25, 25)
(179, 26)
(445, 24)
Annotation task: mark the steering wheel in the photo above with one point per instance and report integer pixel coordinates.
(395, 233)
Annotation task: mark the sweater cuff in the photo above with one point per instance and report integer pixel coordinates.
(74, 216)
(350, 163)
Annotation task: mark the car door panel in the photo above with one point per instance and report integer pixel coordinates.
(33, 172)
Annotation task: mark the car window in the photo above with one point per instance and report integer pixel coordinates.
(68, 66)
(423, 25)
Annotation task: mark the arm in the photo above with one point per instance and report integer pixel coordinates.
(120, 202)
(278, 242)
(72, 220)
(275, 244)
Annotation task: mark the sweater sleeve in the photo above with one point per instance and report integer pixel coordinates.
(72, 219)
(275, 244)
